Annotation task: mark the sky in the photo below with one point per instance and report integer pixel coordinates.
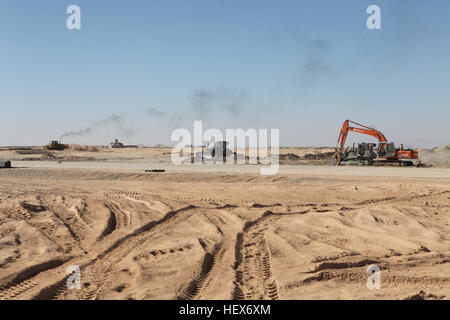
(139, 69)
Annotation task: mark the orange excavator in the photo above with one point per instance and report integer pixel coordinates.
(365, 153)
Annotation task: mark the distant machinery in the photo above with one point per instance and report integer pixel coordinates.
(217, 150)
(214, 151)
(56, 145)
(116, 144)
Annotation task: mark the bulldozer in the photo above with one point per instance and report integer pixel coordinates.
(368, 153)
(56, 145)
(217, 150)
(214, 151)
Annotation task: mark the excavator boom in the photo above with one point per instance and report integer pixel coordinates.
(364, 130)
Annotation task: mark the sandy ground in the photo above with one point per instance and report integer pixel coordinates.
(206, 232)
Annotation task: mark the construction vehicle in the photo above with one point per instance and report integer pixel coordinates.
(116, 144)
(119, 145)
(217, 150)
(365, 153)
(56, 145)
(214, 151)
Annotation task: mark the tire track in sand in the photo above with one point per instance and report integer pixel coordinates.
(97, 272)
(253, 269)
(254, 277)
(21, 282)
(203, 279)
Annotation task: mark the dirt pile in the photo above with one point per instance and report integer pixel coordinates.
(31, 151)
(307, 156)
(319, 156)
(86, 148)
(436, 156)
(289, 156)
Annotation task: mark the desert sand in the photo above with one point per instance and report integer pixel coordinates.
(219, 232)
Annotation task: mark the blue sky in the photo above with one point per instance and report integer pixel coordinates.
(153, 65)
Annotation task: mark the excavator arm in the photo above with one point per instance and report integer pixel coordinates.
(360, 128)
(363, 129)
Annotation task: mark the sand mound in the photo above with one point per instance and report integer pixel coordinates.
(436, 156)
(77, 147)
(319, 156)
(445, 148)
(299, 239)
(289, 156)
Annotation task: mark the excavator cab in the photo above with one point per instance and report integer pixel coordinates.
(386, 150)
(390, 150)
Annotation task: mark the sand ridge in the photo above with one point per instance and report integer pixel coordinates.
(202, 235)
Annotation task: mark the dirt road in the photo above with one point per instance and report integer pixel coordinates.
(363, 171)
